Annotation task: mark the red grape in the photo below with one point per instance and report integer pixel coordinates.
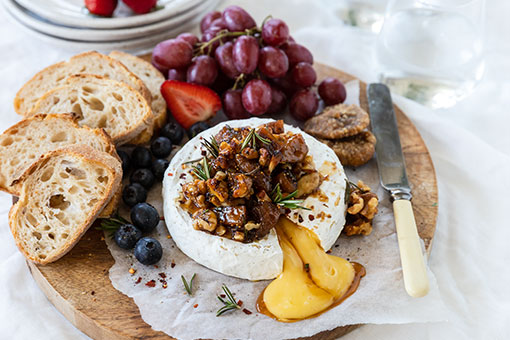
(273, 62)
(278, 101)
(222, 83)
(218, 23)
(173, 53)
(257, 96)
(332, 91)
(233, 105)
(160, 68)
(303, 74)
(223, 55)
(190, 38)
(275, 32)
(206, 21)
(211, 33)
(177, 74)
(237, 19)
(287, 85)
(246, 54)
(203, 70)
(297, 53)
(304, 104)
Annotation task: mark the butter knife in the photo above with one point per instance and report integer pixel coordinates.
(392, 173)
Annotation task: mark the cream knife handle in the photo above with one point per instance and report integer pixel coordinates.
(413, 266)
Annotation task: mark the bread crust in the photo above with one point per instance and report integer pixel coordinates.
(110, 163)
(22, 93)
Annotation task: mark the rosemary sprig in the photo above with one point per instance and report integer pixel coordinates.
(212, 146)
(188, 285)
(287, 201)
(349, 188)
(202, 171)
(252, 137)
(111, 224)
(229, 303)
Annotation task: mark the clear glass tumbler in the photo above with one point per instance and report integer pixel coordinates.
(431, 51)
(366, 14)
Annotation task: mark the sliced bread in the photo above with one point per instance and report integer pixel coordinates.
(152, 78)
(61, 196)
(25, 142)
(84, 63)
(100, 103)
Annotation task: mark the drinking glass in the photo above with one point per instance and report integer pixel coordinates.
(365, 14)
(431, 51)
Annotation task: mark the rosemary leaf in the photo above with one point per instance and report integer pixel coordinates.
(248, 139)
(188, 285)
(230, 302)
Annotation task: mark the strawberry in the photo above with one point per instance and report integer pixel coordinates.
(190, 103)
(103, 8)
(140, 6)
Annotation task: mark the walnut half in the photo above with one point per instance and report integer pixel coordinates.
(361, 210)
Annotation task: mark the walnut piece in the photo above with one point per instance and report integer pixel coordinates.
(361, 210)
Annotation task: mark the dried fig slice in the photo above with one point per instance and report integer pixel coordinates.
(354, 150)
(338, 121)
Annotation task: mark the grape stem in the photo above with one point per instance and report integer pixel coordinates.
(201, 47)
(239, 80)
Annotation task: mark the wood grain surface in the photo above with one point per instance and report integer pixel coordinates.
(79, 287)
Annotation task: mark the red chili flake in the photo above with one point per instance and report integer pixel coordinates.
(162, 275)
(182, 176)
(195, 305)
(151, 283)
(138, 280)
(240, 302)
(287, 211)
(246, 311)
(311, 217)
(170, 174)
(172, 264)
(165, 285)
(162, 218)
(223, 295)
(300, 219)
(204, 152)
(156, 266)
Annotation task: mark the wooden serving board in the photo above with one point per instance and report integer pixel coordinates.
(79, 286)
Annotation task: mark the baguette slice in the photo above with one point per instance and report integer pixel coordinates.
(61, 196)
(100, 103)
(25, 142)
(153, 79)
(56, 75)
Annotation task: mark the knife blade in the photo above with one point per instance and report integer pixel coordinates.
(393, 177)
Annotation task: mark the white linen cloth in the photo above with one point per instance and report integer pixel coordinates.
(469, 144)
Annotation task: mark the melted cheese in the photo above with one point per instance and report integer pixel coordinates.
(332, 273)
(298, 293)
(293, 295)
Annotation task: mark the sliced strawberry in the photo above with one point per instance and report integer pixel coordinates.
(104, 8)
(190, 103)
(140, 6)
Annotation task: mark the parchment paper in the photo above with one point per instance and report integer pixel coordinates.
(380, 298)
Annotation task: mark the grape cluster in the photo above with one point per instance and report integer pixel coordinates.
(255, 70)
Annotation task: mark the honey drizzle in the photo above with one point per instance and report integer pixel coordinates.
(359, 272)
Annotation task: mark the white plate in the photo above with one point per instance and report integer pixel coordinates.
(137, 45)
(74, 14)
(84, 34)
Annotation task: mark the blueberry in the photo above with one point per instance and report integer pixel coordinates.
(134, 193)
(196, 128)
(174, 132)
(127, 235)
(148, 251)
(158, 168)
(141, 157)
(125, 159)
(145, 217)
(143, 176)
(161, 147)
